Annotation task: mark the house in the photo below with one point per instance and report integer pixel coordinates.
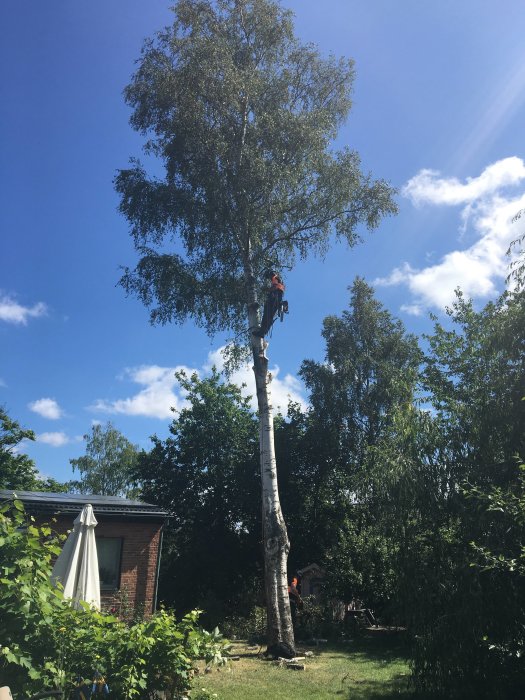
(313, 584)
(312, 579)
(129, 541)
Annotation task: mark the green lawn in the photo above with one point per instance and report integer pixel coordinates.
(368, 668)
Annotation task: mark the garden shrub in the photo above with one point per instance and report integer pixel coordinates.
(46, 643)
(471, 636)
(251, 627)
(29, 604)
(203, 694)
(316, 620)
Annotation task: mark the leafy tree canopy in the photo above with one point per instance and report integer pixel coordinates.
(107, 467)
(475, 377)
(241, 115)
(516, 253)
(17, 471)
(333, 473)
(372, 366)
(206, 475)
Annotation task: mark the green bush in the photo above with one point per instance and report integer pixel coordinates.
(47, 643)
(203, 694)
(316, 620)
(471, 635)
(29, 604)
(251, 627)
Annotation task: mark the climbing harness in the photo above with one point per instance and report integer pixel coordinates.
(274, 306)
(283, 309)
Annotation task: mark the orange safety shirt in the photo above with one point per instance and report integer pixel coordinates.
(277, 284)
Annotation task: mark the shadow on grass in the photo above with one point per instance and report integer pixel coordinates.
(384, 644)
(380, 648)
(375, 690)
(375, 645)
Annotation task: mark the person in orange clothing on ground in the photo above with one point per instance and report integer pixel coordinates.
(296, 602)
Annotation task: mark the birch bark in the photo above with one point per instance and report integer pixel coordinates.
(275, 537)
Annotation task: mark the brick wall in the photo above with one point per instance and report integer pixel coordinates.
(138, 567)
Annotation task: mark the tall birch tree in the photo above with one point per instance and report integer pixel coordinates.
(239, 118)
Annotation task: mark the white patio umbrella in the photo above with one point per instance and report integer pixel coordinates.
(77, 565)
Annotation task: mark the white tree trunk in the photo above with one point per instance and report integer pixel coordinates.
(275, 537)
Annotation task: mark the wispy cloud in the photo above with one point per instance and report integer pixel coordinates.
(13, 312)
(161, 392)
(488, 208)
(427, 187)
(47, 408)
(57, 439)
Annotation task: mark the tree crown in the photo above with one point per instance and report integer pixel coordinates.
(241, 116)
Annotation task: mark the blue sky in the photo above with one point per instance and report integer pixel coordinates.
(439, 111)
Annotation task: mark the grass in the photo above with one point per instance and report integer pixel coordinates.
(369, 668)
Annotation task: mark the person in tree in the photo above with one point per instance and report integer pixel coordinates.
(274, 300)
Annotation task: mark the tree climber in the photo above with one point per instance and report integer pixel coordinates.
(273, 305)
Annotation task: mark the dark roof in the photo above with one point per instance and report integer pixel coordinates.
(53, 503)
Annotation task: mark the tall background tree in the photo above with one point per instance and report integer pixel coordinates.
(205, 474)
(468, 613)
(357, 395)
(242, 117)
(107, 468)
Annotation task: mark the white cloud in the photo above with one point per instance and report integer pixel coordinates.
(412, 309)
(13, 312)
(428, 187)
(47, 408)
(53, 439)
(161, 391)
(479, 270)
(282, 390)
(160, 394)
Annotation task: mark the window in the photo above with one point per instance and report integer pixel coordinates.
(109, 550)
